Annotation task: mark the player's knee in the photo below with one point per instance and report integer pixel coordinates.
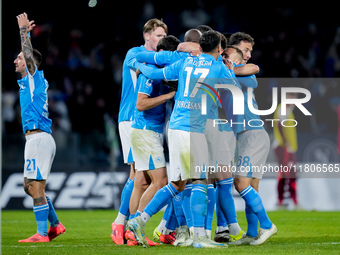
(241, 184)
(27, 188)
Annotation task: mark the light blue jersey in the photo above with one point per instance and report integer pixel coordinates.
(34, 102)
(152, 119)
(187, 113)
(129, 85)
(161, 58)
(255, 120)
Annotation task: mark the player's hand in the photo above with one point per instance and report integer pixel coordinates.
(237, 62)
(171, 94)
(30, 25)
(138, 72)
(228, 63)
(22, 20)
(195, 53)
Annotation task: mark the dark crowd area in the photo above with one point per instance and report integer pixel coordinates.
(83, 51)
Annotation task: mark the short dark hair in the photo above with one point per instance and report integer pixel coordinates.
(203, 28)
(237, 38)
(224, 53)
(224, 41)
(210, 40)
(169, 42)
(37, 57)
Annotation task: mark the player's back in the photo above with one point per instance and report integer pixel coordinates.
(187, 113)
(34, 102)
(129, 82)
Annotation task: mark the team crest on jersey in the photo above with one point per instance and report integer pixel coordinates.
(148, 82)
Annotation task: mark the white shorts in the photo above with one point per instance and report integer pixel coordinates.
(253, 149)
(227, 145)
(147, 148)
(188, 154)
(221, 145)
(39, 154)
(124, 128)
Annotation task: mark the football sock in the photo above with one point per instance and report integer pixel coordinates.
(253, 200)
(210, 207)
(125, 201)
(161, 199)
(252, 221)
(186, 193)
(225, 199)
(177, 203)
(198, 205)
(221, 221)
(52, 216)
(41, 214)
(161, 226)
(172, 223)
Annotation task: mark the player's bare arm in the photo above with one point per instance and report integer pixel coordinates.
(27, 49)
(144, 102)
(245, 70)
(192, 47)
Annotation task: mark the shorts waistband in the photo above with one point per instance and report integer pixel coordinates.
(36, 135)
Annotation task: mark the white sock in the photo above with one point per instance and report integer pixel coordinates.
(208, 233)
(191, 231)
(161, 226)
(221, 229)
(199, 231)
(234, 229)
(145, 217)
(120, 219)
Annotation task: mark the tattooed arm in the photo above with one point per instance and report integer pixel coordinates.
(26, 45)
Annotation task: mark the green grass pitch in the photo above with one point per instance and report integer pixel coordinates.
(88, 232)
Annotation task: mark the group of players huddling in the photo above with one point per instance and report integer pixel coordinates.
(191, 75)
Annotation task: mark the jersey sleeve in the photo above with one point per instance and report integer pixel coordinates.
(145, 85)
(131, 58)
(146, 56)
(151, 73)
(171, 72)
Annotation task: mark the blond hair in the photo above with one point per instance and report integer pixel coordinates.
(152, 24)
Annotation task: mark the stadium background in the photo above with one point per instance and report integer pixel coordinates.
(83, 50)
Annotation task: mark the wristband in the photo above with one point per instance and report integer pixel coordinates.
(28, 34)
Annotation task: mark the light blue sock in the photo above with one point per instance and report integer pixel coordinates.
(172, 223)
(160, 199)
(125, 197)
(225, 199)
(210, 207)
(186, 193)
(220, 219)
(177, 203)
(41, 214)
(198, 204)
(167, 212)
(52, 216)
(253, 200)
(132, 216)
(253, 222)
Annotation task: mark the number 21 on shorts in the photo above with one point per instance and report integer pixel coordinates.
(30, 164)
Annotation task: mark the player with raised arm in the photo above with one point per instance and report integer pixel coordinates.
(187, 143)
(153, 31)
(253, 144)
(40, 146)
